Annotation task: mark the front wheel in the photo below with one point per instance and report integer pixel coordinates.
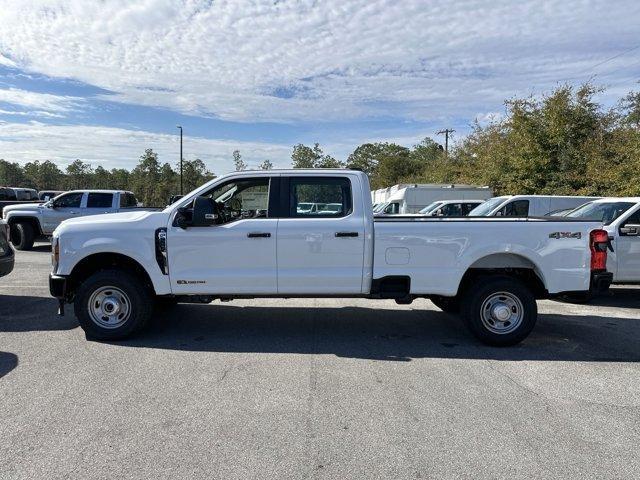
(22, 236)
(112, 305)
(500, 311)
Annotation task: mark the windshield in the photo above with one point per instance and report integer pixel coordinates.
(431, 207)
(380, 207)
(485, 208)
(605, 212)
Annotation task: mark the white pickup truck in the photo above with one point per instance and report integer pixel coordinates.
(243, 236)
(620, 217)
(31, 220)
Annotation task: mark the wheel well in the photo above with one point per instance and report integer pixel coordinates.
(106, 260)
(32, 221)
(528, 276)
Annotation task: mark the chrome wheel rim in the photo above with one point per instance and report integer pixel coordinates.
(502, 313)
(109, 307)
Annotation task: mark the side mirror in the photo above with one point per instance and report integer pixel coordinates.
(630, 230)
(205, 212)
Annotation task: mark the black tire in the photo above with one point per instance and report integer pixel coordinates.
(487, 300)
(117, 287)
(22, 236)
(446, 304)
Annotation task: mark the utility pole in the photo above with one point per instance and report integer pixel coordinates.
(181, 189)
(446, 133)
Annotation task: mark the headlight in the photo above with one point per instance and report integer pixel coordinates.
(55, 253)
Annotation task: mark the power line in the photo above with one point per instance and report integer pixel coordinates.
(614, 57)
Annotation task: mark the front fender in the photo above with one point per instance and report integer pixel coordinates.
(137, 247)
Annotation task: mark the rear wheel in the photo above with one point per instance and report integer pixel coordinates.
(500, 311)
(112, 305)
(22, 235)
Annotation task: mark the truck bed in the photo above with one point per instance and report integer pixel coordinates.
(437, 258)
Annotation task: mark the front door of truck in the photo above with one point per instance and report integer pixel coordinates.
(628, 249)
(237, 255)
(62, 208)
(320, 252)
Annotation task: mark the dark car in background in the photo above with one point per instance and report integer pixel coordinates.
(6, 252)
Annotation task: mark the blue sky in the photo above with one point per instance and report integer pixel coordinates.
(102, 81)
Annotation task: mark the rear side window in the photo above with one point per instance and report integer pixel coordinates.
(70, 200)
(128, 200)
(517, 208)
(319, 197)
(467, 207)
(7, 194)
(100, 200)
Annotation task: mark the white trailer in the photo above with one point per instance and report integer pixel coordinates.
(411, 198)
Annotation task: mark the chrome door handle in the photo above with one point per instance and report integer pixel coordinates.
(346, 234)
(259, 235)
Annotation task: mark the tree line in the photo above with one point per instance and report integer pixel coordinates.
(560, 143)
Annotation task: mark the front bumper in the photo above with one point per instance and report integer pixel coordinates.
(7, 261)
(600, 281)
(58, 286)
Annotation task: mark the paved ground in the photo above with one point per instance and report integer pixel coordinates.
(316, 389)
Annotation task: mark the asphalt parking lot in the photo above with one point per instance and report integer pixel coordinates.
(315, 389)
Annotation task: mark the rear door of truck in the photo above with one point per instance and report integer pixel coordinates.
(99, 202)
(321, 252)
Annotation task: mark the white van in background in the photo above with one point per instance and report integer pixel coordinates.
(405, 199)
(527, 205)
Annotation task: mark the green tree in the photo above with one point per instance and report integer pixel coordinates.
(78, 175)
(145, 178)
(195, 173)
(101, 178)
(266, 165)
(307, 157)
(11, 174)
(119, 178)
(238, 162)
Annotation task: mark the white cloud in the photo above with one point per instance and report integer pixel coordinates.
(121, 148)
(257, 60)
(38, 104)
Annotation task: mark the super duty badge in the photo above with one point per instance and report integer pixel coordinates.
(190, 282)
(565, 235)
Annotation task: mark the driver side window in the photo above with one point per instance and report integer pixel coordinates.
(242, 198)
(70, 200)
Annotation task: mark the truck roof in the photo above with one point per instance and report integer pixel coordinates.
(618, 199)
(292, 171)
(82, 190)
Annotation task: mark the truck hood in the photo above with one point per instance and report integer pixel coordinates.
(23, 207)
(113, 221)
